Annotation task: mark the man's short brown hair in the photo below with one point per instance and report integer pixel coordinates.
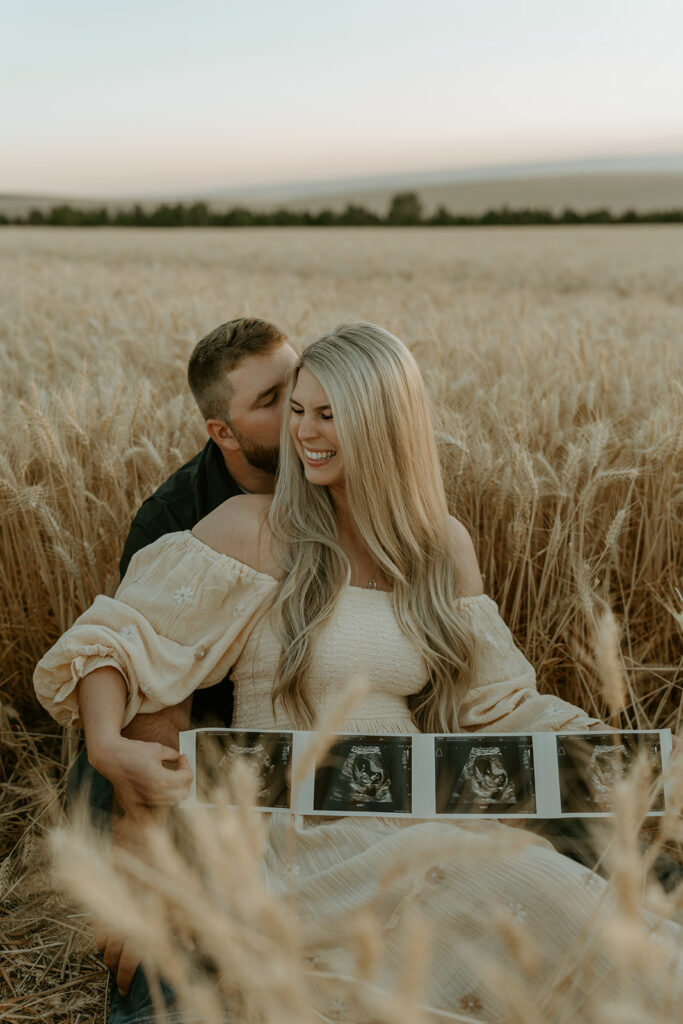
(220, 352)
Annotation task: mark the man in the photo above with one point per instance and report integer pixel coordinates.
(236, 374)
(237, 377)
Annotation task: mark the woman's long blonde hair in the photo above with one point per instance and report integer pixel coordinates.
(396, 497)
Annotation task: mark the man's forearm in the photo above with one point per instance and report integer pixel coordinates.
(161, 726)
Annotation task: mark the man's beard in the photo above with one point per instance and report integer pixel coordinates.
(260, 456)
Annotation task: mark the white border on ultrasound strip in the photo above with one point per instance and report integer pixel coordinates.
(546, 776)
(188, 745)
(302, 799)
(480, 736)
(665, 744)
(424, 776)
(326, 813)
(666, 748)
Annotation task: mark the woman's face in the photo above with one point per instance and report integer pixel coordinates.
(312, 428)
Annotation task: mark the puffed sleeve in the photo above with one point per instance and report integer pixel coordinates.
(503, 696)
(178, 621)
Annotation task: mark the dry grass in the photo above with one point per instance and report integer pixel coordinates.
(553, 357)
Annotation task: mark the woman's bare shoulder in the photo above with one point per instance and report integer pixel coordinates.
(239, 528)
(469, 572)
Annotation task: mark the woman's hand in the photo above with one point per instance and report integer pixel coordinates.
(143, 772)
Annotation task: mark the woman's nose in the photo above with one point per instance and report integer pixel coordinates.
(307, 428)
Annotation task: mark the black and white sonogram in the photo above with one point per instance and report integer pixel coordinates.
(366, 773)
(484, 775)
(268, 754)
(590, 766)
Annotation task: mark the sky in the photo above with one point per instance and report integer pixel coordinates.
(155, 97)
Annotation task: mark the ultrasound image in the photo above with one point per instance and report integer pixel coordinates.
(590, 766)
(366, 773)
(484, 775)
(268, 754)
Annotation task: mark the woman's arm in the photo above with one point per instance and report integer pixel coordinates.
(467, 566)
(503, 694)
(102, 696)
(141, 772)
(178, 622)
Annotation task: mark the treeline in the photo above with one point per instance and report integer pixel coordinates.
(405, 210)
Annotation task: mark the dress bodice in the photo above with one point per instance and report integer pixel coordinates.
(361, 639)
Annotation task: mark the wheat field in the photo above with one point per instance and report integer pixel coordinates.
(553, 357)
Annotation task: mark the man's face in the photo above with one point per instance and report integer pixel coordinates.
(258, 385)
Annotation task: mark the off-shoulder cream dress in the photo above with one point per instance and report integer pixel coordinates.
(184, 615)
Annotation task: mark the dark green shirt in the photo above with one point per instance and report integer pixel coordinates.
(189, 494)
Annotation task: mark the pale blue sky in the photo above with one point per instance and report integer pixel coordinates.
(151, 96)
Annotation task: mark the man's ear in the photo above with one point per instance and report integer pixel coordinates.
(220, 432)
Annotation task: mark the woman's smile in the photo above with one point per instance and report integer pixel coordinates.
(317, 457)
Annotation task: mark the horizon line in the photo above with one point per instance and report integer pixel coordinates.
(299, 188)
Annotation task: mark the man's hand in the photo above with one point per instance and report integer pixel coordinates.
(120, 958)
(129, 832)
(142, 772)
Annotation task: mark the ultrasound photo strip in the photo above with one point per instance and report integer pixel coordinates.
(510, 775)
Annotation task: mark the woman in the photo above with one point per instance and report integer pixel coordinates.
(354, 567)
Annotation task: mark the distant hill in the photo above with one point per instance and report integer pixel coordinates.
(618, 192)
(641, 191)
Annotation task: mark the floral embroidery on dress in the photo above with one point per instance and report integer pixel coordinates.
(238, 610)
(337, 1008)
(128, 632)
(470, 1002)
(182, 595)
(436, 874)
(518, 912)
(591, 880)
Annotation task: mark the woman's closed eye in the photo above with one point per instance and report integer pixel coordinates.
(323, 415)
